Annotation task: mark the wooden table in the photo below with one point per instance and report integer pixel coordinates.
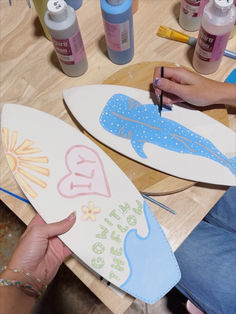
(30, 75)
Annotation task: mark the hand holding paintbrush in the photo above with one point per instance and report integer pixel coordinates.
(181, 85)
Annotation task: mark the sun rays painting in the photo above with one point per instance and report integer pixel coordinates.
(25, 162)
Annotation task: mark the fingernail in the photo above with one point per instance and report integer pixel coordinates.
(169, 106)
(72, 216)
(156, 81)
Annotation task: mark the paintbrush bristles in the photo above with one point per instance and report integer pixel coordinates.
(164, 32)
(170, 33)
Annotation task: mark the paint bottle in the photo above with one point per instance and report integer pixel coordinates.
(134, 6)
(63, 27)
(191, 13)
(234, 28)
(217, 23)
(118, 24)
(41, 8)
(75, 4)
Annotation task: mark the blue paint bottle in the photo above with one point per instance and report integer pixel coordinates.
(118, 24)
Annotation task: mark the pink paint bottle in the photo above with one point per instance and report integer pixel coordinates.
(191, 13)
(234, 28)
(63, 27)
(217, 23)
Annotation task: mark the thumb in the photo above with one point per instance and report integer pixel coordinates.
(60, 227)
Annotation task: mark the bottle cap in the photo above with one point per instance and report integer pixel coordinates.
(115, 2)
(57, 10)
(223, 4)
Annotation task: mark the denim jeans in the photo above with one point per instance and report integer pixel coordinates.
(207, 259)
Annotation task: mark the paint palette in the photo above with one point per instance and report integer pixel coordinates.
(182, 142)
(116, 234)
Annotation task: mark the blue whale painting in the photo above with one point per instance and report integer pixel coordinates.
(125, 117)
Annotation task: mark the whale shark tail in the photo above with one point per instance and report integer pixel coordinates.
(138, 147)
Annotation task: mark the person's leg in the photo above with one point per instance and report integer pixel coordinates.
(192, 309)
(207, 261)
(223, 214)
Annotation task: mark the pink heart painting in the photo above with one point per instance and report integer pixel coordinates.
(86, 174)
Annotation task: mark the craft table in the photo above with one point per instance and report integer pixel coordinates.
(30, 75)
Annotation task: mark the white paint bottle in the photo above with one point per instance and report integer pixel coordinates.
(63, 27)
(191, 13)
(217, 23)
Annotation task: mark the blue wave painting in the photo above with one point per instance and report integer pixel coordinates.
(153, 268)
(125, 117)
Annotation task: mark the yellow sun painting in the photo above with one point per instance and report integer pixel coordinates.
(22, 163)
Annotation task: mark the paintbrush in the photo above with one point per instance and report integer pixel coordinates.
(143, 195)
(147, 197)
(161, 96)
(15, 195)
(170, 33)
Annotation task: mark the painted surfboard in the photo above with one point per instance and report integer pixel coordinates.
(182, 142)
(60, 171)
